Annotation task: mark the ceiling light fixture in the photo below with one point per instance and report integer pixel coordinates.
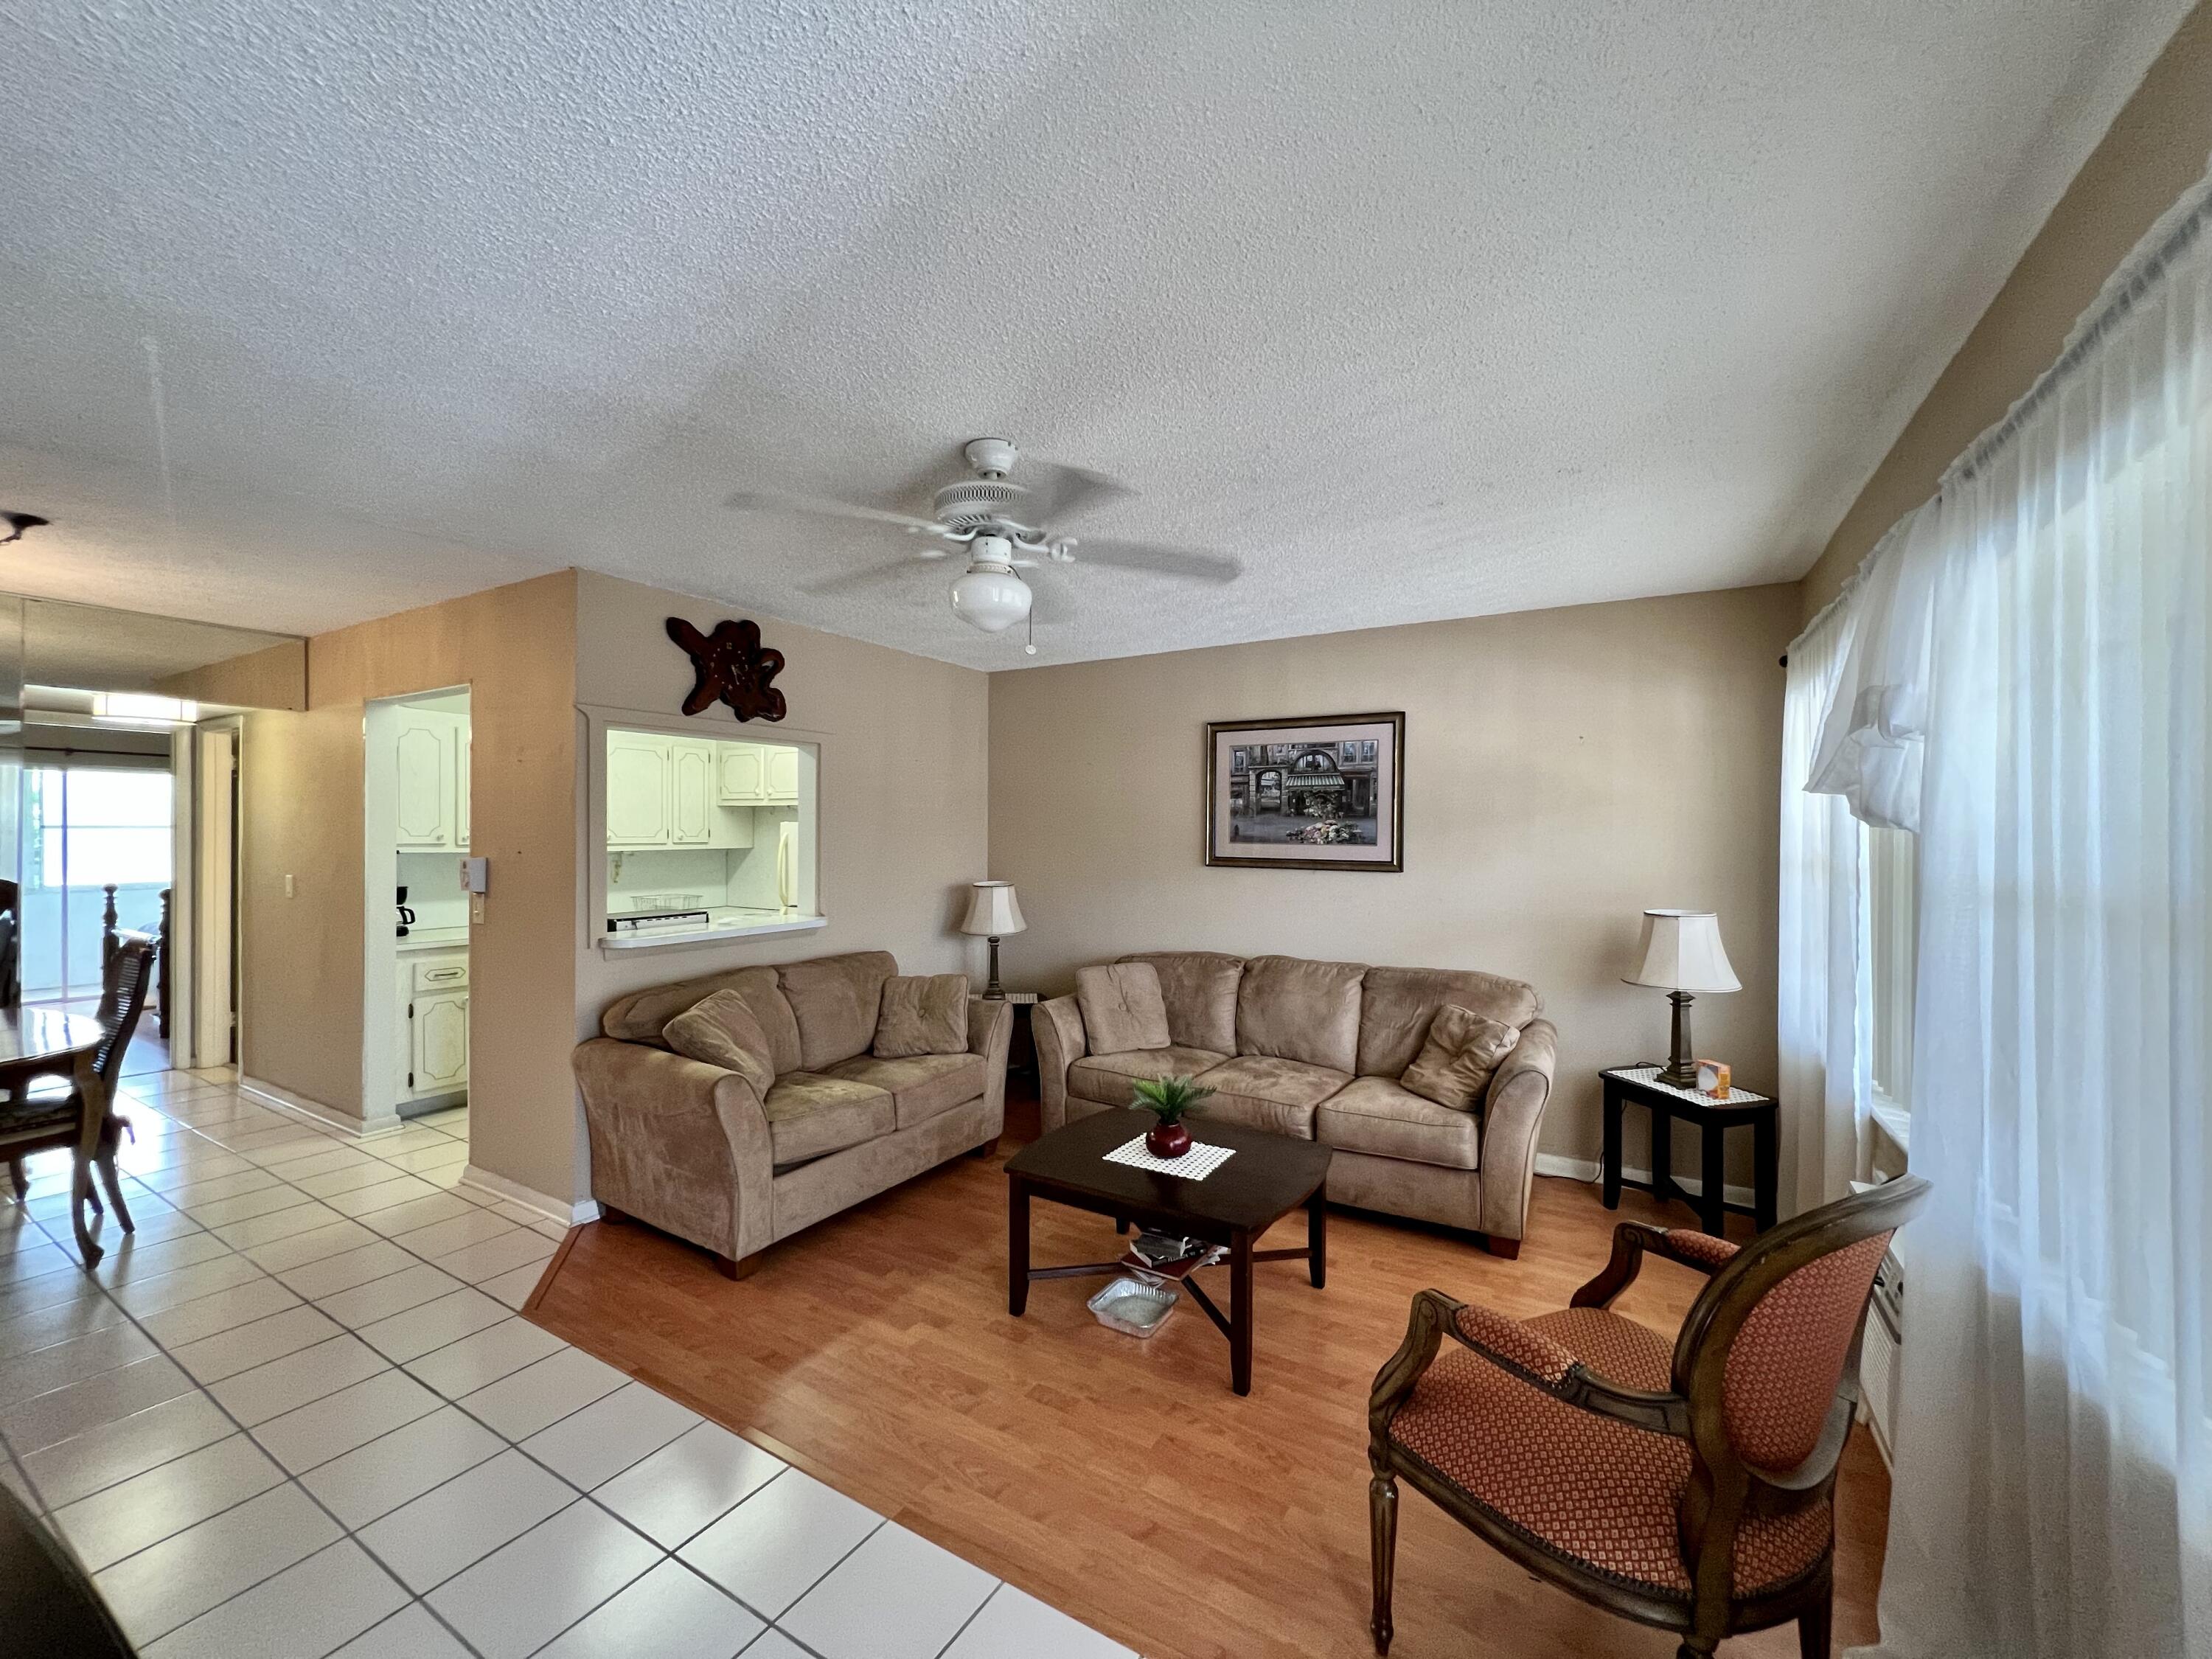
(991, 596)
(17, 523)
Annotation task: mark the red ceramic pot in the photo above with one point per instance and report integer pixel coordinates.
(1167, 1141)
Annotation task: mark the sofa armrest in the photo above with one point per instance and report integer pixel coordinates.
(991, 1034)
(1518, 1094)
(678, 1144)
(1056, 1027)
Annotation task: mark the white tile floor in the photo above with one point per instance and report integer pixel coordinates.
(295, 1414)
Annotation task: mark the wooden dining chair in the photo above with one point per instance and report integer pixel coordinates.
(52, 1112)
(1688, 1486)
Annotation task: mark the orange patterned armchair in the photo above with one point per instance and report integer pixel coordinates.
(1688, 1486)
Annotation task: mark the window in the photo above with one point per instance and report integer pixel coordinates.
(86, 828)
(1891, 860)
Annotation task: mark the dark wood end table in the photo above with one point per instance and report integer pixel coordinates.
(1270, 1177)
(1743, 1109)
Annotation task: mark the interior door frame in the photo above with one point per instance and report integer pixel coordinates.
(210, 1018)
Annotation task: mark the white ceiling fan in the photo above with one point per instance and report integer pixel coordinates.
(1003, 525)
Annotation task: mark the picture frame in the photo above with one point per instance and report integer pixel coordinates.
(1317, 792)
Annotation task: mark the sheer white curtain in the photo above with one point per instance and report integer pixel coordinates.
(2043, 663)
(1823, 993)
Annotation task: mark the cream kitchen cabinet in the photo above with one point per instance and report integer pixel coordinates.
(692, 805)
(742, 776)
(434, 991)
(430, 786)
(667, 792)
(639, 791)
(757, 774)
(782, 777)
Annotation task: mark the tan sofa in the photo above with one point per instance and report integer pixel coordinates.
(1315, 1049)
(693, 1149)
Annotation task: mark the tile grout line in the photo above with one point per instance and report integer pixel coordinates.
(347, 1532)
(507, 1442)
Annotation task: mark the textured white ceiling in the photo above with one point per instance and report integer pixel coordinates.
(311, 313)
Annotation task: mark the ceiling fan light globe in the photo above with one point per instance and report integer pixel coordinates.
(993, 601)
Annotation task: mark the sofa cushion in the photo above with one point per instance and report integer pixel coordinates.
(1375, 1115)
(1289, 1008)
(1397, 1004)
(923, 1014)
(1455, 1064)
(920, 1085)
(1107, 1078)
(1262, 1093)
(835, 1000)
(810, 1114)
(641, 1015)
(1121, 1007)
(1200, 990)
(722, 1031)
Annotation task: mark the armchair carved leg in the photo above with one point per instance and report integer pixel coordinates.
(1813, 1631)
(1382, 1534)
(21, 1182)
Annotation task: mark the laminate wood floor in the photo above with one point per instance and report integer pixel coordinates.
(1120, 1478)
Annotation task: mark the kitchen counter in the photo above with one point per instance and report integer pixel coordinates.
(722, 924)
(434, 938)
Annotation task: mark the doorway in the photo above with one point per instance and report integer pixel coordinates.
(416, 966)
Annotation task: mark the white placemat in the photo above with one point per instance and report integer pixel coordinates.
(1200, 1162)
(1648, 1077)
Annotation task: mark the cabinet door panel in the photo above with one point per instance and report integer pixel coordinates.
(691, 776)
(638, 790)
(441, 1041)
(742, 775)
(423, 786)
(783, 776)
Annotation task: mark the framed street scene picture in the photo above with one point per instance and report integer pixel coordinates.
(1324, 792)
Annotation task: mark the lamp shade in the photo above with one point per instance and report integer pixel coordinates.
(1681, 951)
(991, 910)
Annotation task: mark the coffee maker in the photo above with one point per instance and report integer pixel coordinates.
(406, 915)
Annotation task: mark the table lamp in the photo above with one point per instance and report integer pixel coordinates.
(1681, 952)
(993, 913)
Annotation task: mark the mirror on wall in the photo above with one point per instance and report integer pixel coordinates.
(124, 654)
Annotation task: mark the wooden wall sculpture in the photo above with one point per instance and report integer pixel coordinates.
(733, 667)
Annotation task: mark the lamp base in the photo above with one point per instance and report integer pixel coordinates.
(994, 992)
(1681, 1070)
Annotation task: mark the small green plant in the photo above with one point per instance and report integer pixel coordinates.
(1169, 1096)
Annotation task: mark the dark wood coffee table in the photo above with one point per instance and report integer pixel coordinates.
(1270, 1177)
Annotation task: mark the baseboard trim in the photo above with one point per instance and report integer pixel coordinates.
(313, 1111)
(568, 1215)
(1587, 1169)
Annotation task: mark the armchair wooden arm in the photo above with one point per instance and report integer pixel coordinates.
(1631, 1239)
(1528, 1354)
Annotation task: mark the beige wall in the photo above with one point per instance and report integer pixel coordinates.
(2155, 148)
(904, 786)
(514, 648)
(1565, 769)
(275, 676)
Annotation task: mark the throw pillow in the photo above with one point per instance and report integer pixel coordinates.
(1455, 1064)
(721, 1030)
(1123, 1008)
(923, 1014)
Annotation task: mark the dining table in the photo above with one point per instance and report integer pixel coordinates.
(42, 1042)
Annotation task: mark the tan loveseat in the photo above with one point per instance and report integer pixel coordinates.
(695, 1150)
(1315, 1049)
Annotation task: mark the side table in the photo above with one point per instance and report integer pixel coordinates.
(1021, 1052)
(1743, 1109)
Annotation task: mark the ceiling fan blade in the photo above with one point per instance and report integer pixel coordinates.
(1151, 555)
(1060, 494)
(820, 506)
(853, 581)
